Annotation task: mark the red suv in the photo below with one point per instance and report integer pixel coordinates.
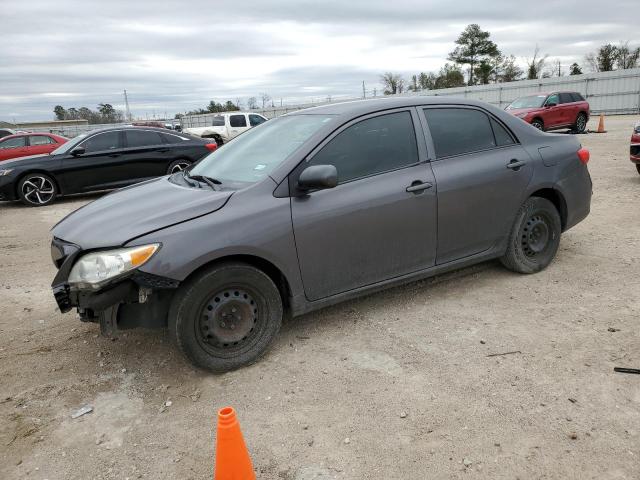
(552, 111)
(634, 150)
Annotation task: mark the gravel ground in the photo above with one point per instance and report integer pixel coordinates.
(397, 385)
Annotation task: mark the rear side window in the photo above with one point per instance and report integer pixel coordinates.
(142, 138)
(372, 146)
(456, 131)
(168, 138)
(238, 121)
(13, 142)
(256, 120)
(503, 137)
(566, 98)
(577, 97)
(40, 140)
(102, 141)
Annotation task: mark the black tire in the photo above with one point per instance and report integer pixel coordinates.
(638, 167)
(218, 140)
(581, 123)
(538, 123)
(203, 304)
(178, 165)
(534, 238)
(37, 189)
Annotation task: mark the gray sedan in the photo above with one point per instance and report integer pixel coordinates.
(314, 208)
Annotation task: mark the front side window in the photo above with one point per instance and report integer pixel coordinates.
(142, 138)
(456, 131)
(255, 120)
(372, 146)
(15, 142)
(238, 121)
(553, 99)
(101, 142)
(39, 140)
(253, 155)
(531, 101)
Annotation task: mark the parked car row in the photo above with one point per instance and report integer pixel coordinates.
(314, 208)
(99, 160)
(25, 144)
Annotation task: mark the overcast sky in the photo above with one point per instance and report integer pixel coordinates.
(176, 56)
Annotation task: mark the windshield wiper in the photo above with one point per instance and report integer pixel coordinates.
(212, 182)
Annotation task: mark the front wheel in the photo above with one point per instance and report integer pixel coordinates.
(226, 317)
(538, 124)
(534, 238)
(37, 190)
(638, 167)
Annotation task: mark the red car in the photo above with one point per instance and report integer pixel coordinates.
(634, 150)
(552, 111)
(24, 144)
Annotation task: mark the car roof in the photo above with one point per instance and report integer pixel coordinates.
(362, 107)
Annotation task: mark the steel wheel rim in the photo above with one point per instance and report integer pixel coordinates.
(178, 167)
(229, 321)
(38, 190)
(536, 235)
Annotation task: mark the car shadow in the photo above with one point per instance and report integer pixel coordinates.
(80, 197)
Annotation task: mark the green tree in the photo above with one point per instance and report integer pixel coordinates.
(604, 59)
(414, 84)
(484, 71)
(427, 81)
(449, 76)
(107, 112)
(60, 112)
(535, 65)
(229, 106)
(575, 69)
(474, 46)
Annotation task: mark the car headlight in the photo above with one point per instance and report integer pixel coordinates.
(95, 269)
(6, 171)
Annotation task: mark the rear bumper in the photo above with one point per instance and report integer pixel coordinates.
(577, 190)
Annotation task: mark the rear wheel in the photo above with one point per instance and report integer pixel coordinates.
(226, 317)
(638, 167)
(581, 123)
(539, 124)
(177, 166)
(37, 190)
(534, 238)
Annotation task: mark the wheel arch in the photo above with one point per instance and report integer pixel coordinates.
(557, 198)
(270, 269)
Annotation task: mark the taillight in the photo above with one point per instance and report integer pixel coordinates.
(583, 155)
(211, 146)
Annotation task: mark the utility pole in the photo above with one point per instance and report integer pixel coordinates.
(364, 92)
(126, 107)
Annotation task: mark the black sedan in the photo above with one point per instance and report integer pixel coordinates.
(100, 160)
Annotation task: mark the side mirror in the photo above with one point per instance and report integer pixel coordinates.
(551, 104)
(77, 151)
(318, 177)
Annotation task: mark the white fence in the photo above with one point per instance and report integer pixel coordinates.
(611, 93)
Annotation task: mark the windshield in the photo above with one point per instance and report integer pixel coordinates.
(252, 156)
(532, 101)
(65, 147)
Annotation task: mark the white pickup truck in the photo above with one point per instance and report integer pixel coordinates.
(226, 126)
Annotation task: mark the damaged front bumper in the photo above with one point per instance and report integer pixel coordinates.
(136, 300)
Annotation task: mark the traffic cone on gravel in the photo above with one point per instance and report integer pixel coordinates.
(232, 457)
(601, 125)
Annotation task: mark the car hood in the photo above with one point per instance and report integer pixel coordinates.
(24, 161)
(125, 214)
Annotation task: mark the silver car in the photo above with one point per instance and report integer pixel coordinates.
(317, 207)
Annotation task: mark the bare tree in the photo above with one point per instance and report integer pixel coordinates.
(627, 57)
(252, 103)
(535, 65)
(265, 97)
(393, 83)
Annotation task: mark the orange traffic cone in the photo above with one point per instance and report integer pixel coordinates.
(232, 457)
(601, 125)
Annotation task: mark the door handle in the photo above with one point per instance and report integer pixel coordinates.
(418, 186)
(516, 164)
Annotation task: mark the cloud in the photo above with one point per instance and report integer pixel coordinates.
(177, 56)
